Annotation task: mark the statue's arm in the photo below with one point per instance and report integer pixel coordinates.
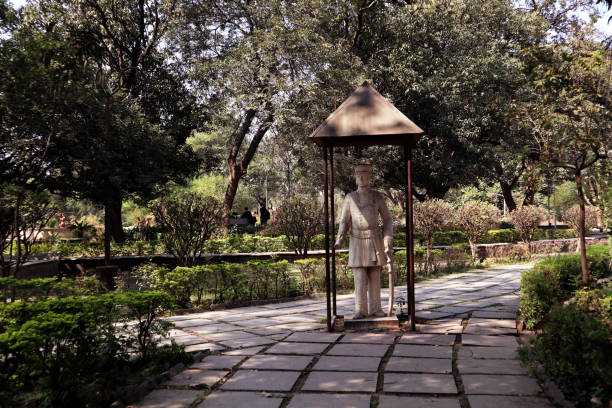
(345, 222)
(387, 224)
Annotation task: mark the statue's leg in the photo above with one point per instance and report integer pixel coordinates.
(361, 294)
(374, 306)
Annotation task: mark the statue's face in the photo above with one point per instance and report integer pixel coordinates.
(363, 179)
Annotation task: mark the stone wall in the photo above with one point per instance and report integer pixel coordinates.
(549, 246)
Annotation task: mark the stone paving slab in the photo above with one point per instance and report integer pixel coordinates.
(212, 328)
(370, 338)
(341, 381)
(244, 352)
(365, 350)
(420, 383)
(268, 331)
(203, 346)
(254, 323)
(492, 314)
(235, 318)
(329, 401)
(497, 401)
(241, 399)
(317, 337)
(273, 362)
(255, 380)
(248, 342)
(297, 348)
(337, 363)
(424, 338)
(218, 362)
(467, 352)
(302, 326)
(192, 378)
(489, 330)
(428, 314)
(500, 385)
(441, 328)
(488, 341)
(297, 317)
(419, 365)
(190, 340)
(507, 323)
(231, 335)
(425, 351)
(394, 401)
(473, 366)
(169, 399)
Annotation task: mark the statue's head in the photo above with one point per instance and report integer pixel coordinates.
(363, 174)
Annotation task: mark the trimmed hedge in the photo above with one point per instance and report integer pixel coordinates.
(75, 351)
(245, 243)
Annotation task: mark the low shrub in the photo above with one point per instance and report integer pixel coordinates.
(555, 280)
(75, 351)
(574, 348)
(227, 282)
(12, 290)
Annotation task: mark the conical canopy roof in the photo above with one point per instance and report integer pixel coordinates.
(366, 118)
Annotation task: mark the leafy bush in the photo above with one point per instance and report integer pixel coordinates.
(145, 308)
(575, 350)
(476, 218)
(188, 220)
(74, 351)
(431, 216)
(227, 282)
(300, 220)
(555, 280)
(526, 220)
(312, 271)
(12, 290)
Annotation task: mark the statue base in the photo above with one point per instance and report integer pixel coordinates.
(371, 322)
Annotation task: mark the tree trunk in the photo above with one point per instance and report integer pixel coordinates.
(581, 228)
(17, 230)
(507, 194)
(107, 234)
(116, 224)
(428, 257)
(230, 192)
(238, 168)
(474, 250)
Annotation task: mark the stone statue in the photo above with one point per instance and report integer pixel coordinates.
(369, 247)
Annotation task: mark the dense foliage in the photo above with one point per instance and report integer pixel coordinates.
(430, 217)
(299, 220)
(76, 350)
(575, 323)
(188, 220)
(555, 280)
(526, 220)
(476, 218)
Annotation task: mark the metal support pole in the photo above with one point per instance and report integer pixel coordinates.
(333, 227)
(409, 239)
(326, 218)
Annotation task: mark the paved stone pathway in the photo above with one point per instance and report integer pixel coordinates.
(279, 355)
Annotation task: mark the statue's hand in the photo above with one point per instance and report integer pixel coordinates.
(338, 244)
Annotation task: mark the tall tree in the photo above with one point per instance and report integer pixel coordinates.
(572, 122)
(255, 62)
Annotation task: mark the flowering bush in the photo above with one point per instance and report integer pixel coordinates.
(476, 218)
(526, 220)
